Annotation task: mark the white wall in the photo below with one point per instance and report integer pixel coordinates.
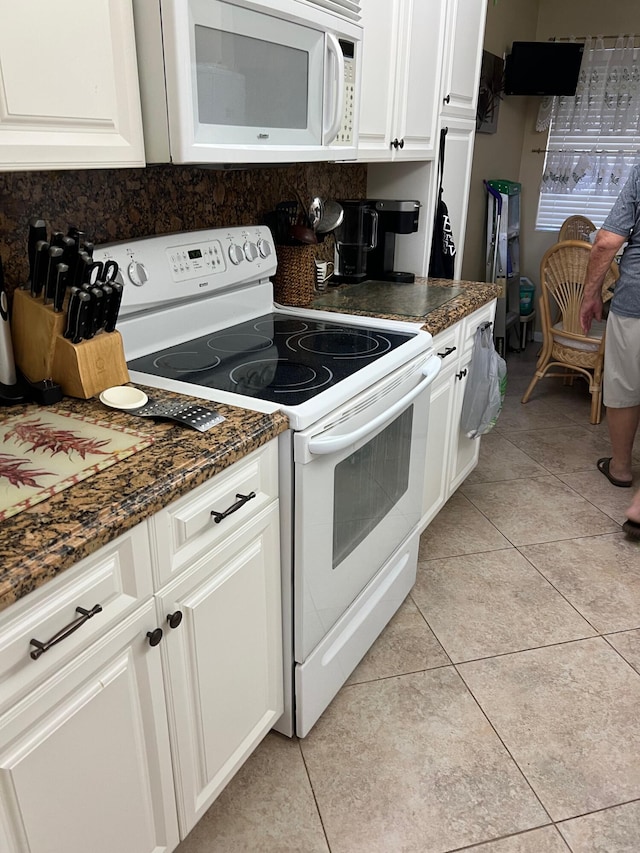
(497, 155)
(508, 153)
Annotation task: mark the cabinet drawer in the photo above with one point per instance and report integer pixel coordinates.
(188, 526)
(117, 578)
(485, 314)
(447, 346)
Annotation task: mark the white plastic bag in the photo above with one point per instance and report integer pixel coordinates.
(486, 385)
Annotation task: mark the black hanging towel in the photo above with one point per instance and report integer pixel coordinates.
(443, 249)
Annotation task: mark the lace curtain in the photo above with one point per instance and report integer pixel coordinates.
(594, 136)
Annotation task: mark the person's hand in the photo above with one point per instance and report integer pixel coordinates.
(591, 308)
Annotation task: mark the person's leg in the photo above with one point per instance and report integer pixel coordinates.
(623, 425)
(621, 391)
(633, 513)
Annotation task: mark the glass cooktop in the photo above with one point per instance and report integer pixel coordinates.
(277, 357)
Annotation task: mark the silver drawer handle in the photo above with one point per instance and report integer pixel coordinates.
(63, 633)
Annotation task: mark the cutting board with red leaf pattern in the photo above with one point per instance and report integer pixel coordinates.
(48, 451)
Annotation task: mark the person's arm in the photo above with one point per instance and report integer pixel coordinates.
(606, 246)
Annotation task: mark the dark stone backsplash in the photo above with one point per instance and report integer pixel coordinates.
(117, 204)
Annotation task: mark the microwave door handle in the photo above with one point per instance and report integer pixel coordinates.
(335, 60)
(323, 446)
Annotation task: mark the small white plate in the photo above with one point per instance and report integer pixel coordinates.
(123, 397)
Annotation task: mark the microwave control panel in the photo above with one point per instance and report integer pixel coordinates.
(345, 134)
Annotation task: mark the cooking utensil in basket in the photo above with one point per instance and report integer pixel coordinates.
(332, 216)
(288, 210)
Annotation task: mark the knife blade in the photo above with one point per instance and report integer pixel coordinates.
(62, 273)
(40, 267)
(55, 256)
(113, 307)
(37, 232)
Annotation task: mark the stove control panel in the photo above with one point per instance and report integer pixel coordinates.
(170, 268)
(195, 259)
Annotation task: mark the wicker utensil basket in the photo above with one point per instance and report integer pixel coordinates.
(294, 281)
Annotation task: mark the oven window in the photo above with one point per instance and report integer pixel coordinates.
(250, 82)
(369, 483)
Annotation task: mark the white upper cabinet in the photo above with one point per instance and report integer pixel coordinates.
(402, 62)
(463, 57)
(69, 95)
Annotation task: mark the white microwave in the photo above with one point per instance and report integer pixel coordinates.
(248, 81)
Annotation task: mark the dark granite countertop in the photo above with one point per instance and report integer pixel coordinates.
(405, 302)
(40, 542)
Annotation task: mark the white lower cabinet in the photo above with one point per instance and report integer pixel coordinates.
(451, 456)
(124, 729)
(436, 481)
(84, 758)
(464, 451)
(224, 678)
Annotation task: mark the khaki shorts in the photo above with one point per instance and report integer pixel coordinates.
(621, 386)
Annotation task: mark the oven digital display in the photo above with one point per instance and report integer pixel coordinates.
(194, 253)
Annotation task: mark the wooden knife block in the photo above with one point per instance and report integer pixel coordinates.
(41, 352)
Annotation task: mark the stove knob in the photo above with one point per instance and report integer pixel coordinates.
(137, 273)
(236, 255)
(264, 248)
(250, 251)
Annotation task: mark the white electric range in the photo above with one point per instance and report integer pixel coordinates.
(198, 317)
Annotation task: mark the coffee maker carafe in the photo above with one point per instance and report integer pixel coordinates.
(355, 237)
(365, 242)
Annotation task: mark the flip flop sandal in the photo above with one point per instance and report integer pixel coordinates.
(632, 529)
(603, 467)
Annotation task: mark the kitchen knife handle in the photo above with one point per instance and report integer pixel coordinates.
(106, 303)
(37, 232)
(95, 312)
(113, 308)
(62, 272)
(83, 265)
(40, 267)
(82, 317)
(72, 311)
(55, 256)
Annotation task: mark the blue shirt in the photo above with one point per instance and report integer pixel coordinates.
(624, 220)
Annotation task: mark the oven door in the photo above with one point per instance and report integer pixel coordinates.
(358, 481)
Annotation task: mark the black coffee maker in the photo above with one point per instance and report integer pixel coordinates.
(365, 242)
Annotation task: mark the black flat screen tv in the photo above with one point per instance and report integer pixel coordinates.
(542, 68)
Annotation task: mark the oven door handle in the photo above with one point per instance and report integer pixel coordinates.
(322, 446)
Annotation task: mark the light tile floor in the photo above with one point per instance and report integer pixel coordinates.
(499, 711)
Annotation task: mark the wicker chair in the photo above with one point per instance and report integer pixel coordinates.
(576, 228)
(565, 346)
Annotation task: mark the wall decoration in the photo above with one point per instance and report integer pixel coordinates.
(489, 93)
